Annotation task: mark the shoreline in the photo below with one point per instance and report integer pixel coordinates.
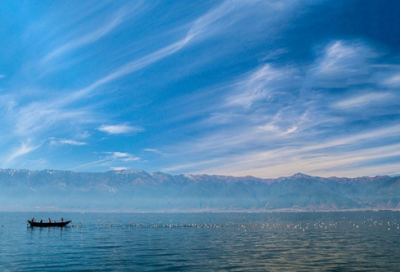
(177, 211)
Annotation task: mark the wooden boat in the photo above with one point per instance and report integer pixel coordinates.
(45, 225)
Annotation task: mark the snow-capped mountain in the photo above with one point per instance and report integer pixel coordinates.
(141, 191)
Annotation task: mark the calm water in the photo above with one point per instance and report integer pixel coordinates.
(340, 241)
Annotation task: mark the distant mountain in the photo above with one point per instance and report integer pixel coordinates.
(130, 190)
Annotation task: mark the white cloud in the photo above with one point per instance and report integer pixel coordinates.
(84, 135)
(283, 162)
(258, 85)
(343, 57)
(119, 129)
(276, 119)
(230, 13)
(118, 168)
(260, 111)
(38, 117)
(393, 80)
(67, 142)
(122, 156)
(346, 153)
(2, 76)
(41, 115)
(291, 130)
(209, 23)
(22, 150)
(110, 159)
(342, 63)
(194, 165)
(153, 150)
(99, 28)
(362, 100)
(85, 39)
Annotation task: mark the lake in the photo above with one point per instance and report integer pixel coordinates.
(329, 241)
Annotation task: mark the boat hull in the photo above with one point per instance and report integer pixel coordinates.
(45, 225)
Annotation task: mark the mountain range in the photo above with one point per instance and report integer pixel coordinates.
(129, 190)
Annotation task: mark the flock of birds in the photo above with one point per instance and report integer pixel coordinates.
(304, 226)
(300, 226)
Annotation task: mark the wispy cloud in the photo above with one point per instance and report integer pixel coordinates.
(41, 115)
(85, 39)
(289, 121)
(153, 150)
(197, 29)
(341, 64)
(111, 159)
(363, 100)
(118, 168)
(38, 116)
(24, 149)
(209, 23)
(233, 87)
(67, 142)
(120, 129)
(83, 135)
(100, 28)
(350, 163)
(126, 69)
(122, 156)
(230, 13)
(393, 80)
(261, 84)
(346, 155)
(343, 57)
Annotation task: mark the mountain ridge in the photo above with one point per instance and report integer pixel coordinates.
(138, 190)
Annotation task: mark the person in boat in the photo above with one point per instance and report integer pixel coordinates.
(62, 220)
(33, 219)
(41, 221)
(49, 220)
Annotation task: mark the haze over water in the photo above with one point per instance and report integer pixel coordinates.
(334, 241)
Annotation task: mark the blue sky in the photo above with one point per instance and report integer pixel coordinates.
(262, 88)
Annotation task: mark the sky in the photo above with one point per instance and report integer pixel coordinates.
(261, 88)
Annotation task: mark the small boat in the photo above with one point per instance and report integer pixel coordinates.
(45, 225)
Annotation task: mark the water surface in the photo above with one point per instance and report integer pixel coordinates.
(334, 241)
